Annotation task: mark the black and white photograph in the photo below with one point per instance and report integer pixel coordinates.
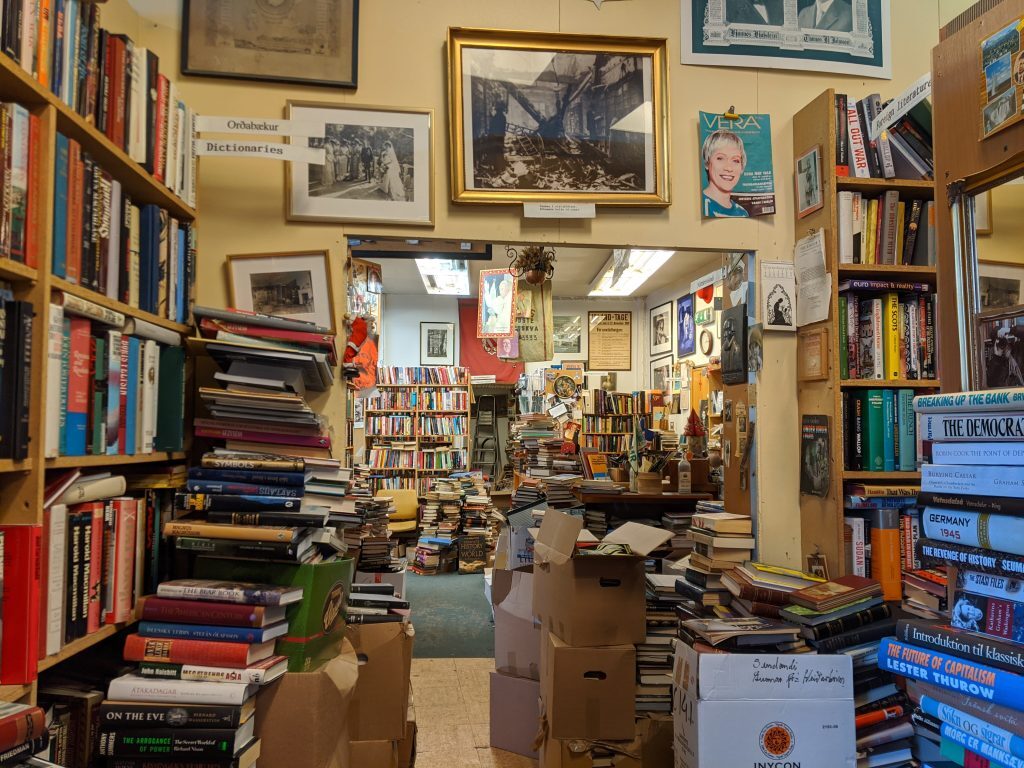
(377, 166)
(1003, 352)
(843, 36)
(661, 373)
(296, 285)
(537, 116)
(998, 292)
(808, 183)
(661, 329)
(567, 332)
(1000, 110)
(437, 343)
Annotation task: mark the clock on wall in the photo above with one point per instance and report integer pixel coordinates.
(707, 342)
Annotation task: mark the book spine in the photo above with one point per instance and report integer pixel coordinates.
(196, 611)
(183, 651)
(858, 545)
(987, 402)
(271, 518)
(854, 637)
(124, 572)
(975, 529)
(247, 595)
(130, 716)
(22, 577)
(256, 436)
(95, 571)
(113, 398)
(201, 632)
(991, 616)
(1001, 717)
(889, 430)
(907, 459)
(131, 399)
(151, 742)
(858, 149)
(842, 144)
(874, 423)
(989, 585)
(1000, 654)
(969, 480)
(134, 689)
(74, 582)
(936, 553)
(847, 623)
(885, 553)
(891, 335)
(230, 548)
(853, 334)
(979, 745)
(1000, 505)
(24, 724)
(844, 331)
(243, 489)
(57, 518)
(948, 427)
(975, 454)
(249, 477)
(239, 503)
(122, 394)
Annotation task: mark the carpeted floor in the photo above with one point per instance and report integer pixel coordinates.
(451, 616)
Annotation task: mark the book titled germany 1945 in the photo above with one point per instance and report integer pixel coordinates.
(975, 529)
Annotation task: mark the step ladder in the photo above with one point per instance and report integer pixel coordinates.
(486, 452)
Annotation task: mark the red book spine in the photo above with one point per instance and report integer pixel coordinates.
(74, 247)
(178, 651)
(32, 223)
(762, 595)
(240, 329)
(201, 612)
(19, 647)
(79, 385)
(160, 139)
(125, 511)
(96, 569)
(122, 389)
(21, 727)
(250, 436)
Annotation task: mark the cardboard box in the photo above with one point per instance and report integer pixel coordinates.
(515, 713)
(592, 600)
(300, 719)
(517, 634)
(407, 744)
(378, 710)
(650, 748)
(371, 754)
(397, 580)
(316, 624)
(589, 692)
(514, 547)
(763, 709)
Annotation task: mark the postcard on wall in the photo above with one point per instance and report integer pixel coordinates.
(610, 341)
(778, 296)
(737, 178)
(1002, 78)
(844, 36)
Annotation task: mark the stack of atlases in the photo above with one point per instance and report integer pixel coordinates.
(23, 732)
(375, 604)
(967, 676)
(654, 654)
(204, 650)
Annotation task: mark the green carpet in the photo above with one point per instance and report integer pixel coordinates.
(451, 616)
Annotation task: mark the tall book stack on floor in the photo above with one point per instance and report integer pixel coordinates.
(966, 674)
(204, 650)
(721, 541)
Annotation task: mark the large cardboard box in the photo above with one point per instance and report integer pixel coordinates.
(517, 633)
(397, 579)
(378, 710)
(407, 744)
(515, 713)
(316, 624)
(370, 754)
(650, 748)
(301, 718)
(590, 599)
(589, 692)
(763, 709)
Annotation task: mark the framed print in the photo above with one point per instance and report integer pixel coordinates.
(293, 285)
(808, 183)
(850, 37)
(378, 165)
(812, 351)
(437, 343)
(734, 344)
(686, 330)
(496, 304)
(661, 373)
(1002, 352)
(308, 42)
(540, 117)
(610, 341)
(661, 329)
(778, 291)
(567, 333)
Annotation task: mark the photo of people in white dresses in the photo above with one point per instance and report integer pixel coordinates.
(496, 316)
(364, 163)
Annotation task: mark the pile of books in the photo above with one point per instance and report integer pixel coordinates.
(558, 490)
(902, 150)
(721, 540)
(369, 542)
(375, 604)
(204, 650)
(434, 556)
(654, 655)
(965, 674)
(23, 732)
(759, 589)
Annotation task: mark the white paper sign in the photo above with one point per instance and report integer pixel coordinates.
(902, 104)
(263, 150)
(559, 210)
(778, 296)
(814, 283)
(269, 126)
(709, 279)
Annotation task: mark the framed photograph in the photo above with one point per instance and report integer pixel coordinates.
(378, 165)
(294, 285)
(1002, 352)
(610, 341)
(812, 353)
(849, 37)
(983, 213)
(308, 42)
(496, 304)
(437, 343)
(808, 183)
(734, 344)
(661, 373)
(540, 117)
(778, 292)
(686, 330)
(661, 329)
(567, 333)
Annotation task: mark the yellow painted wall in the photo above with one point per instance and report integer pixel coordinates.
(402, 63)
(1004, 244)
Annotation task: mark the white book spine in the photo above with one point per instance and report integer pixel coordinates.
(877, 324)
(104, 488)
(858, 563)
(74, 305)
(991, 454)
(55, 578)
(195, 673)
(137, 145)
(133, 688)
(858, 149)
(139, 561)
(29, 19)
(170, 161)
(915, 339)
(972, 480)
(845, 227)
(975, 529)
(971, 427)
(54, 349)
(960, 402)
(991, 585)
(151, 359)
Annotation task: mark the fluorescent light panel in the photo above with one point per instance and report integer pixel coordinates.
(449, 277)
(626, 271)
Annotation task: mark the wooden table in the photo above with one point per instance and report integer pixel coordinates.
(627, 503)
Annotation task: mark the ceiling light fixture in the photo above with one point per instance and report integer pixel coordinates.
(627, 270)
(448, 277)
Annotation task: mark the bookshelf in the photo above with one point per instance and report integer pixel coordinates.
(822, 517)
(608, 421)
(22, 482)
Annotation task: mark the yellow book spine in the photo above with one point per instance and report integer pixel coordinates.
(872, 225)
(891, 334)
(901, 213)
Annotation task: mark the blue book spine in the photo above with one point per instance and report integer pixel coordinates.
(889, 432)
(979, 746)
(974, 726)
(65, 371)
(182, 280)
(132, 396)
(202, 632)
(908, 433)
(58, 20)
(244, 489)
(952, 673)
(145, 260)
(60, 208)
(70, 49)
(248, 476)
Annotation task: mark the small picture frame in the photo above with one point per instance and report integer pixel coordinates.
(661, 329)
(812, 353)
(809, 197)
(295, 285)
(496, 304)
(437, 343)
(661, 373)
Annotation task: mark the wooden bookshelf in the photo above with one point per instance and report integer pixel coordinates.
(79, 645)
(15, 271)
(7, 465)
(59, 284)
(822, 517)
(15, 692)
(66, 462)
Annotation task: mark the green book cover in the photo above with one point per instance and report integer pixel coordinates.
(874, 431)
(170, 405)
(906, 422)
(844, 362)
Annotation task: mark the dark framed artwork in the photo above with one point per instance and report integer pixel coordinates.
(307, 42)
(734, 344)
(437, 343)
(661, 329)
(686, 330)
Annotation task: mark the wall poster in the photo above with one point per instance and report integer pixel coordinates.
(737, 177)
(610, 341)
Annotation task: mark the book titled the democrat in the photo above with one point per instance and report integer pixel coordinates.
(952, 673)
(971, 427)
(972, 480)
(959, 402)
(973, 725)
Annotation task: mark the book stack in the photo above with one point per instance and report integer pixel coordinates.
(115, 385)
(759, 589)
(370, 543)
(902, 150)
(16, 321)
(558, 490)
(654, 655)
(528, 493)
(886, 230)
(23, 732)
(739, 635)
(702, 588)
(19, 141)
(721, 540)
(966, 673)
(375, 604)
(204, 650)
(433, 556)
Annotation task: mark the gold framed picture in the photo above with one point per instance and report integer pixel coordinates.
(812, 352)
(295, 285)
(544, 117)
